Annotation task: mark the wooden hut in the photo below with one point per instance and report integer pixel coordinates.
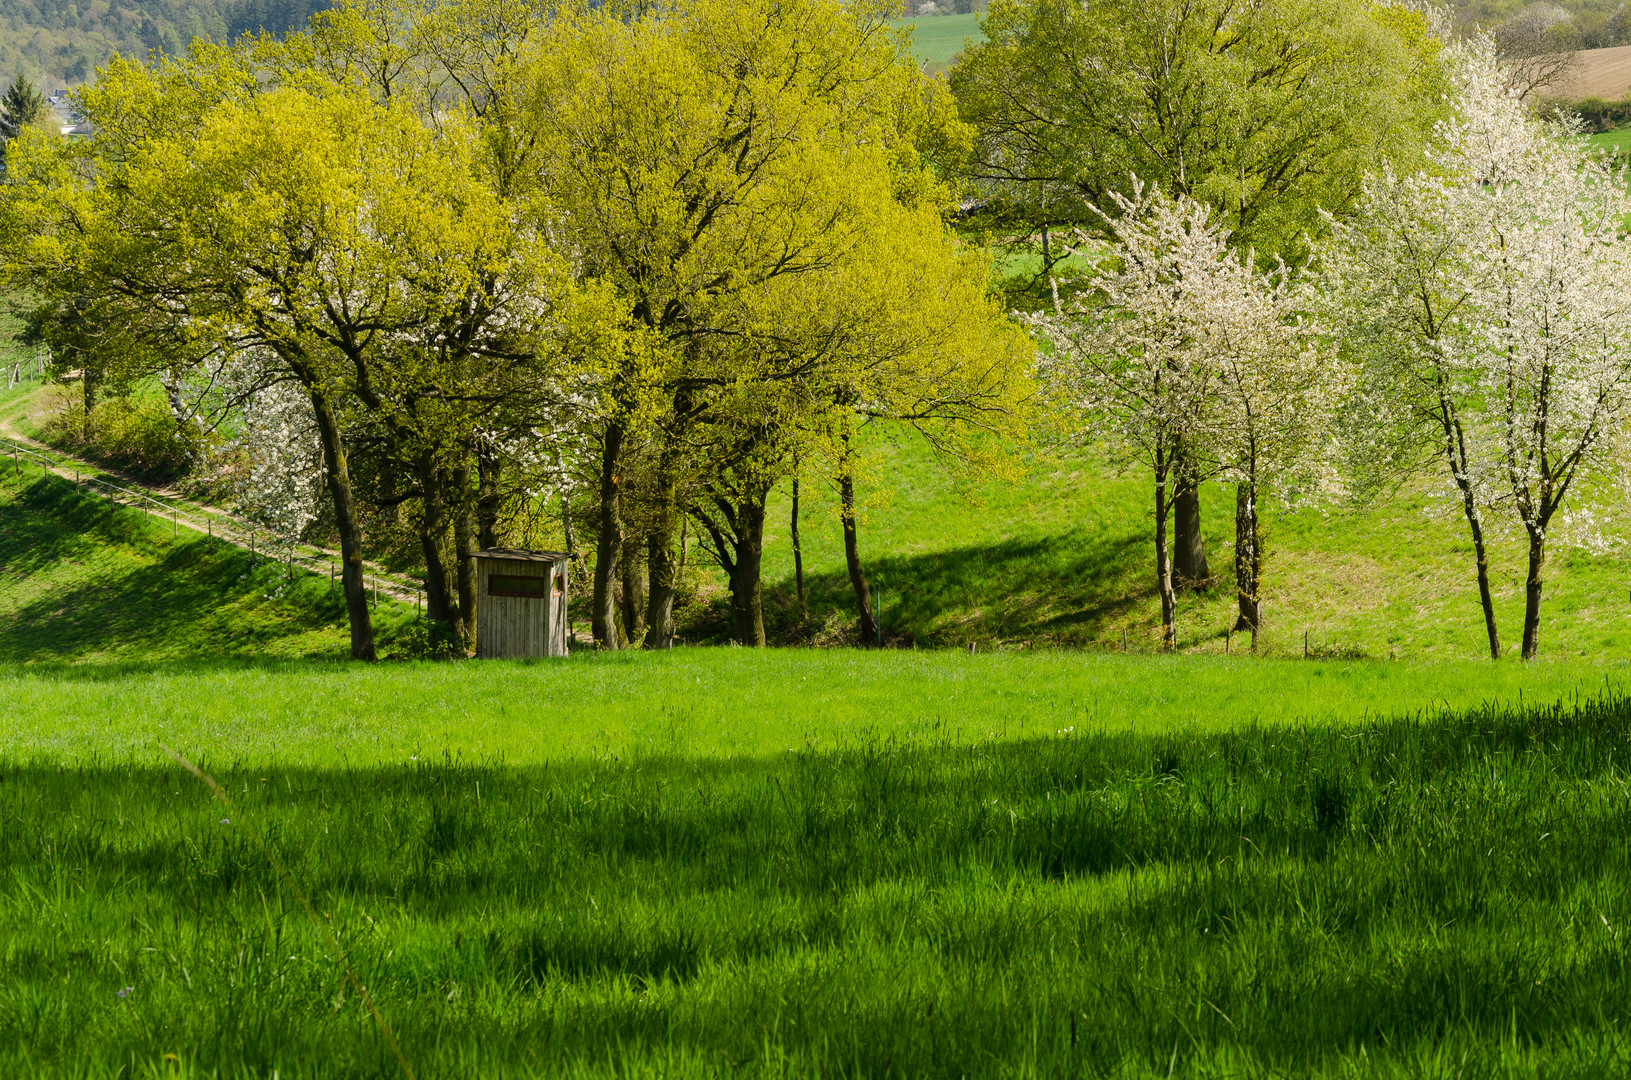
(521, 603)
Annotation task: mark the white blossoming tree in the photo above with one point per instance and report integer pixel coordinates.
(1485, 298)
(1188, 343)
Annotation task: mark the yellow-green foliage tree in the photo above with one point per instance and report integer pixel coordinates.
(694, 158)
(340, 235)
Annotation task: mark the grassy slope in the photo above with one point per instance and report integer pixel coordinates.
(1065, 555)
(1061, 554)
(83, 580)
(1618, 141)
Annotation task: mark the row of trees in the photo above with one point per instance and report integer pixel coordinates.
(476, 256)
(1470, 313)
(465, 262)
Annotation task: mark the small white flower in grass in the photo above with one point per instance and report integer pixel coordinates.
(125, 992)
(226, 821)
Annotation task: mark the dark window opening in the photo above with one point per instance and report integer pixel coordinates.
(515, 586)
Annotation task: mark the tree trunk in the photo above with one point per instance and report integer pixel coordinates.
(662, 569)
(441, 557)
(1470, 507)
(798, 551)
(634, 591)
(464, 547)
(337, 476)
(1531, 602)
(852, 551)
(1248, 560)
(1455, 448)
(747, 584)
(1189, 546)
(609, 549)
(1163, 569)
(662, 562)
(90, 382)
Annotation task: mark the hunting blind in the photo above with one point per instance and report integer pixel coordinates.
(521, 603)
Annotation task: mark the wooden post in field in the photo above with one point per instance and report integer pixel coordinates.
(1305, 644)
(1226, 642)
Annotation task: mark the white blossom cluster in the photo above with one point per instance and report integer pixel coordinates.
(1475, 312)
(1188, 340)
(267, 453)
(1485, 300)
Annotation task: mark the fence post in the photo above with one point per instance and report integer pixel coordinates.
(1305, 644)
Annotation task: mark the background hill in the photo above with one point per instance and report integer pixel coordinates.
(58, 42)
(1058, 554)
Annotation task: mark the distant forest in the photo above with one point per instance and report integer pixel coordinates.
(63, 41)
(1590, 24)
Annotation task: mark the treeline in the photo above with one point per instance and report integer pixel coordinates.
(493, 271)
(469, 265)
(65, 41)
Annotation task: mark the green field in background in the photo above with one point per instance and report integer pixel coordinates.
(937, 39)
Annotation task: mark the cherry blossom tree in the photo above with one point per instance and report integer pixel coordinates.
(1132, 356)
(1189, 345)
(1485, 297)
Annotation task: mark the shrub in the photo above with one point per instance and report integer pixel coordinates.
(134, 434)
(1597, 114)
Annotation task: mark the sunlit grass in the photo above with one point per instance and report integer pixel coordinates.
(1442, 896)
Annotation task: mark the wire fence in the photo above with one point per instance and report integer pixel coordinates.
(232, 530)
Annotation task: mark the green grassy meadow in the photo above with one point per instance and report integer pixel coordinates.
(1063, 555)
(1441, 894)
(724, 862)
(85, 580)
(1617, 141)
(937, 39)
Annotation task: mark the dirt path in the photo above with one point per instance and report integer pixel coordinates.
(27, 454)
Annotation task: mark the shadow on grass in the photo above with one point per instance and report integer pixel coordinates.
(1077, 588)
(111, 582)
(1276, 895)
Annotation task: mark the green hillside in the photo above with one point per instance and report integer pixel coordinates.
(63, 41)
(1061, 554)
(1065, 555)
(82, 579)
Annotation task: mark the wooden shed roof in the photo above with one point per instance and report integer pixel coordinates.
(522, 555)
